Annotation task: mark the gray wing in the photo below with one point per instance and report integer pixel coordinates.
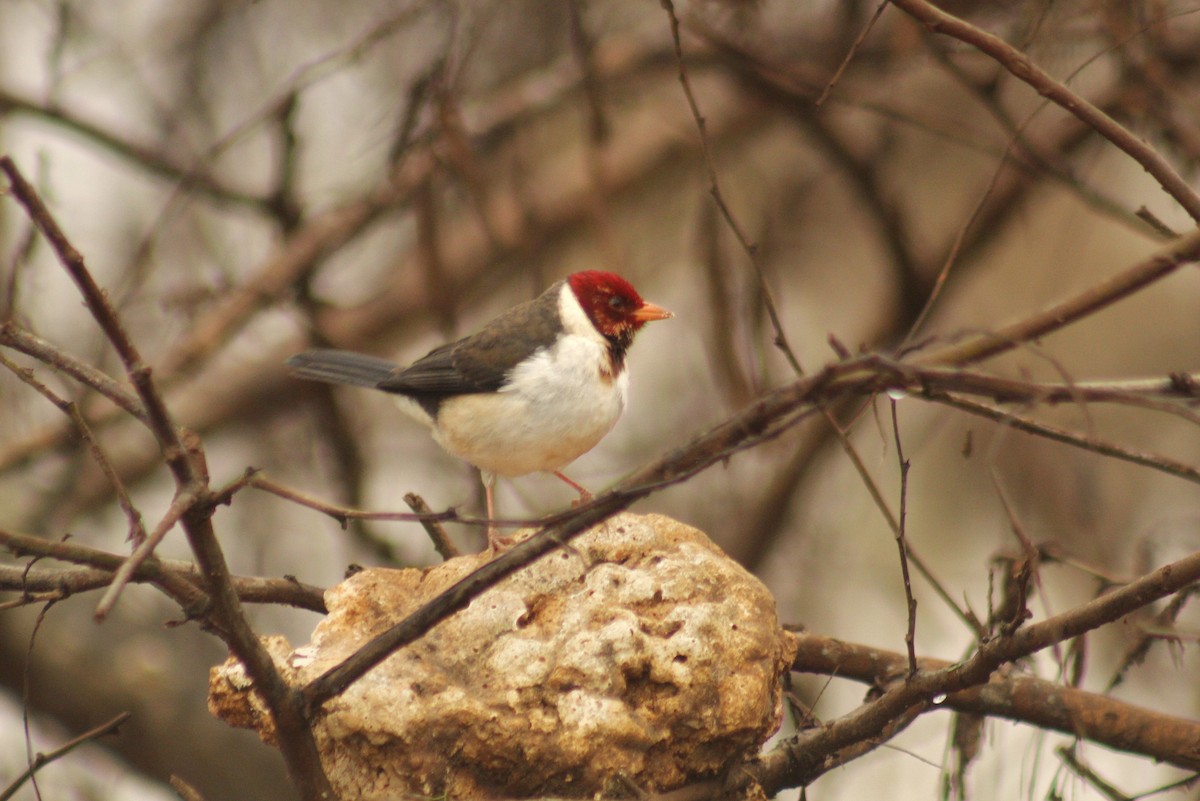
(482, 361)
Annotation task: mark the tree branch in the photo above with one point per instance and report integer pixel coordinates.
(186, 464)
(1037, 702)
(1023, 68)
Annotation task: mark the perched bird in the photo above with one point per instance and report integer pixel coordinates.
(531, 391)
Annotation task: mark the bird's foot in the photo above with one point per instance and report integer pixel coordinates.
(497, 543)
(585, 495)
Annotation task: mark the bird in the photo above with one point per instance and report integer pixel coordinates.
(531, 391)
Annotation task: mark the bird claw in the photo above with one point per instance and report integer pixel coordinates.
(498, 544)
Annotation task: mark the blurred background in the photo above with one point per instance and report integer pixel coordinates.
(249, 179)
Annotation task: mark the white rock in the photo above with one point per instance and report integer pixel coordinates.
(647, 654)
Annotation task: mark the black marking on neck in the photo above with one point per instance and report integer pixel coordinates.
(618, 345)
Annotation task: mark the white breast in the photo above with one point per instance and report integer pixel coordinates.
(556, 406)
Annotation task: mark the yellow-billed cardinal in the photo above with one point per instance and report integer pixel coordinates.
(531, 391)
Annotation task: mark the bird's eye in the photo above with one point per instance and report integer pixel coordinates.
(617, 303)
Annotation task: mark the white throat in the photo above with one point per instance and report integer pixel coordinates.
(574, 318)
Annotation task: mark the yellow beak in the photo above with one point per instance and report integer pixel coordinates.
(650, 311)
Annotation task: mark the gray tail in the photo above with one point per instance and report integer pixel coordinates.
(340, 367)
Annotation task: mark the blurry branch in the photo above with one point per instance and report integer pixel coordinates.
(1023, 68)
(768, 297)
(184, 790)
(12, 336)
(40, 584)
(788, 87)
(803, 757)
(851, 51)
(283, 202)
(908, 274)
(184, 457)
(317, 69)
(559, 204)
(599, 135)
(724, 319)
(42, 760)
(1030, 155)
(1037, 702)
(145, 157)
(1099, 296)
(1145, 62)
(792, 88)
(1164, 621)
(304, 251)
(1077, 766)
(767, 417)
(137, 531)
(1083, 441)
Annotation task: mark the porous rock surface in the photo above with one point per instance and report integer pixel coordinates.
(643, 655)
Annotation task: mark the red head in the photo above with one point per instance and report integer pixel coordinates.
(613, 305)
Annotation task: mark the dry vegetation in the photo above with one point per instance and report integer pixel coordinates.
(933, 376)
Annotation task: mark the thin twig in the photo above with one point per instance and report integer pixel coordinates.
(1098, 296)
(1023, 68)
(1015, 696)
(180, 581)
(749, 247)
(184, 458)
(910, 636)
(964, 614)
(343, 514)
(184, 500)
(1027, 571)
(147, 158)
(184, 790)
(802, 758)
(781, 340)
(862, 37)
(1076, 765)
(26, 672)
(137, 531)
(42, 760)
(18, 339)
(1154, 461)
(437, 534)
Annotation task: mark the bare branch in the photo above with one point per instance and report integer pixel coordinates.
(1023, 68)
(802, 758)
(1033, 701)
(180, 581)
(441, 540)
(185, 499)
(137, 531)
(187, 466)
(1096, 297)
(103, 730)
(910, 635)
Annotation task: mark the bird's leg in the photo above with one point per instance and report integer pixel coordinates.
(495, 542)
(584, 495)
